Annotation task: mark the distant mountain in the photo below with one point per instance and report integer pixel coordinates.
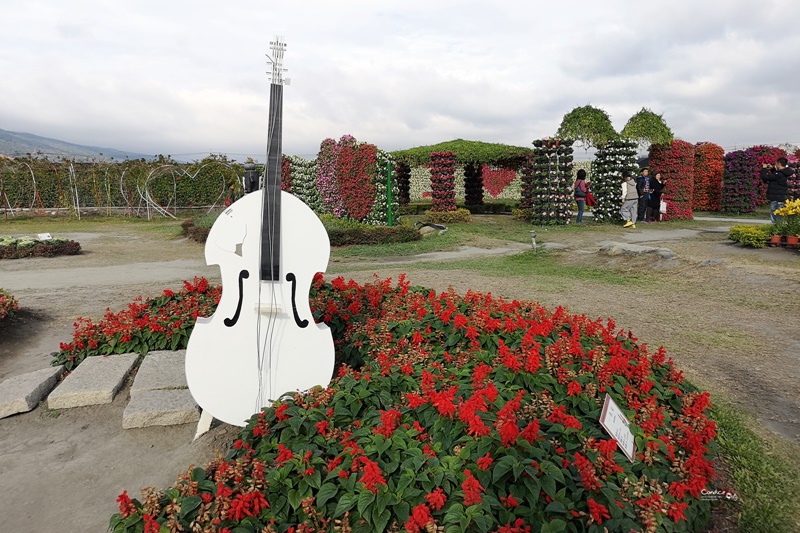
(13, 144)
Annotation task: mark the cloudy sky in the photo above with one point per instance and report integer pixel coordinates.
(189, 77)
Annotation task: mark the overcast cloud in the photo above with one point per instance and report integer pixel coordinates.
(189, 77)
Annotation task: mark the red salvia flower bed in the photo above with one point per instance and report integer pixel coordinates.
(468, 412)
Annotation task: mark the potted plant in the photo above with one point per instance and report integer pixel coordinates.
(776, 234)
(790, 223)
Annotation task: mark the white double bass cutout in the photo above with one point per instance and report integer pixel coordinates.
(262, 341)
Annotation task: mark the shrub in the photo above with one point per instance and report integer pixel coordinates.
(676, 162)
(750, 235)
(13, 248)
(460, 215)
(8, 304)
(458, 414)
(162, 323)
(365, 234)
(709, 166)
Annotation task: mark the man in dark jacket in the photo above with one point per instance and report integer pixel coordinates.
(776, 178)
(643, 189)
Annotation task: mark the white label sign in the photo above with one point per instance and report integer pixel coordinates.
(616, 423)
(44, 236)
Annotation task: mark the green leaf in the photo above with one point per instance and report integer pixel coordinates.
(554, 526)
(365, 499)
(502, 467)
(346, 502)
(198, 474)
(326, 492)
(190, 504)
(295, 498)
(381, 520)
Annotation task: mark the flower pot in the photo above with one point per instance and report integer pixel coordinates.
(774, 241)
(792, 241)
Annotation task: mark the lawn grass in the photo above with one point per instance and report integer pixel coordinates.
(766, 474)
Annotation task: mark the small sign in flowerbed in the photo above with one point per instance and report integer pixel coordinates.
(19, 247)
(8, 305)
(457, 413)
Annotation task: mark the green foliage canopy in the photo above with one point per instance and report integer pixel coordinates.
(465, 152)
(588, 125)
(646, 128)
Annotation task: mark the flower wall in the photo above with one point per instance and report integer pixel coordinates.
(793, 184)
(443, 194)
(473, 184)
(606, 177)
(420, 181)
(676, 162)
(739, 190)
(498, 180)
(304, 181)
(709, 167)
(549, 185)
(286, 174)
(351, 179)
(461, 413)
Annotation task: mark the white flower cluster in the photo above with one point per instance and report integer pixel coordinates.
(606, 175)
(27, 242)
(378, 214)
(304, 181)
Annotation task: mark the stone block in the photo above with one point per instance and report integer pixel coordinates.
(160, 408)
(96, 381)
(20, 394)
(161, 370)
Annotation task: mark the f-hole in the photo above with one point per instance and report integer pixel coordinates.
(290, 277)
(230, 322)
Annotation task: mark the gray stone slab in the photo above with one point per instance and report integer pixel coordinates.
(20, 394)
(96, 381)
(622, 248)
(160, 408)
(161, 370)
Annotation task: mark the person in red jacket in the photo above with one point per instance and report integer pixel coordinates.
(580, 194)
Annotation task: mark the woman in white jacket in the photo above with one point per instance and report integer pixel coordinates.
(630, 200)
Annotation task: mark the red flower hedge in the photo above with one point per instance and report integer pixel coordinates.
(443, 192)
(162, 323)
(286, 174)
(709, 166)
(462, 413)
(355, 173)
(675, 161)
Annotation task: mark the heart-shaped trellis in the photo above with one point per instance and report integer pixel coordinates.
(160, 199)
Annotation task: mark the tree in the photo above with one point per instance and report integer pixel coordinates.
(590, 126)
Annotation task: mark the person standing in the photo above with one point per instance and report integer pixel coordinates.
(630, 200)
(777, 185)
(580, 194)
(653, 213)
(643, 189)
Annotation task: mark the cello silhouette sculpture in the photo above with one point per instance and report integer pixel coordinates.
(262, 341)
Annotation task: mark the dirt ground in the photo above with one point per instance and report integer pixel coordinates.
(732, 325)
